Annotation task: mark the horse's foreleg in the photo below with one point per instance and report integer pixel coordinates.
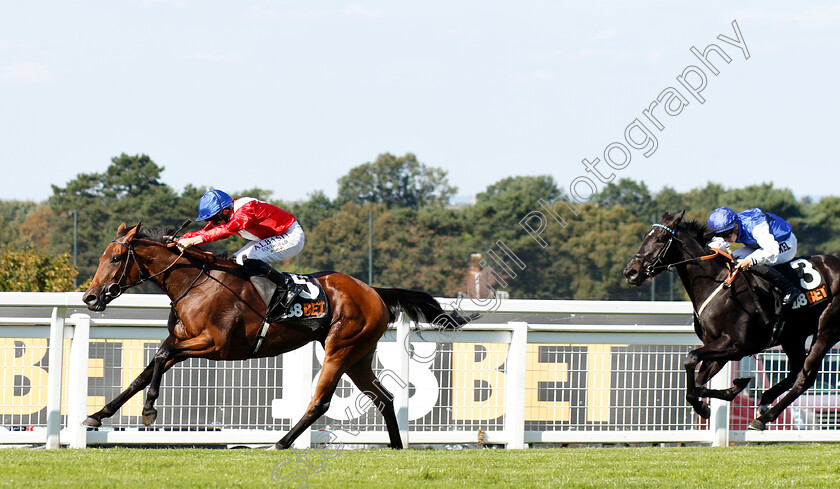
(709, 370)
(362, 375)
(719, 351)
(165, 358)
(137, 385)
(796, 359)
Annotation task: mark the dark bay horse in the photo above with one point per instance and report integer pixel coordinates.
(218, 314)
(738, 321)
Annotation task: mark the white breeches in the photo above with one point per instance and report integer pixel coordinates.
(275, 248)
(787, 252)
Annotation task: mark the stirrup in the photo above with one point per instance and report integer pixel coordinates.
(292, 291)
(789, 297)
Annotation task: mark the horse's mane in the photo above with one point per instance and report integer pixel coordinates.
(161, 234)
(157, 234)
(697, 229)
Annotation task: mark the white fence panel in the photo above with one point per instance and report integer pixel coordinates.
(528, 372)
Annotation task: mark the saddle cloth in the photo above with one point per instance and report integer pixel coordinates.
(310, 305)
(802, 273)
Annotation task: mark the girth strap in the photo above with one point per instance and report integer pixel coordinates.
(260, 338)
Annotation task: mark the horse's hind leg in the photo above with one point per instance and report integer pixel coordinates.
(796, 359)
(362, 375)
(804, 379)
(137, 385)
(331, 373)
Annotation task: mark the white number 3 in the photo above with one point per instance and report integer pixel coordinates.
(810, 276)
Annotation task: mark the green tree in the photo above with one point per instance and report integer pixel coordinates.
(420, 249)
(128, 191)
(13, 213)
(34, 270)
(818, 231)
(314, 210)
(395, 182)
(668, 200)
(776, 200)
(633, 196)
(340, 242)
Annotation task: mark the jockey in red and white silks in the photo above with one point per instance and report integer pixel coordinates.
(274, 234)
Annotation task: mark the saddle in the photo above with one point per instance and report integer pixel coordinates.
(802, 273)
(310, 304)
(807, 278)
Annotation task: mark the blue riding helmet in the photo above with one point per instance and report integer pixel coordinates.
(212, 203)
(722, 219)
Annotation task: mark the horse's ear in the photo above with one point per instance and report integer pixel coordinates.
(678, 218)
(131, 232)
(121, 228)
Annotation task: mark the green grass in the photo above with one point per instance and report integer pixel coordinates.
(767, 466)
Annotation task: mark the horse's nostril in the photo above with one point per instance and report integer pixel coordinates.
(89, 299)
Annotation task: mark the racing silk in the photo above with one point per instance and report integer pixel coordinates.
(252, 219)
(761, 234)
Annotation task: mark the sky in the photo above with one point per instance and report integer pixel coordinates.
(289, 96)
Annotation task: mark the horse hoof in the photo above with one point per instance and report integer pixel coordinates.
(149, 417)
(756, 425)
(742, 382)
(272, 448)
(92, 422)
(705, 411)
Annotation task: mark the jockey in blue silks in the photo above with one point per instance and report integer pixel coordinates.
(767, 238)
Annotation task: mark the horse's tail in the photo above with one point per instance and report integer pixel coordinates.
(421, 306)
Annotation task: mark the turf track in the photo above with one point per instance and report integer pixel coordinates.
(768, 466)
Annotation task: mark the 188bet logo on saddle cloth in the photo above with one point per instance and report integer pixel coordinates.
(311, 303)
(805, 275)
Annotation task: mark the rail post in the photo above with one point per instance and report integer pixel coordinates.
(719, 420)
(403, 390)
(301, 361)
(77, 389)
(515, 386)
(54, 376)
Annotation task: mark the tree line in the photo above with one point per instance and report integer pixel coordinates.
(420, 241)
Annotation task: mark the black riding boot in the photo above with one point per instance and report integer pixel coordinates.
(789, 291)
(291, 289)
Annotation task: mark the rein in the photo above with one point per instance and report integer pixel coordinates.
(120, 288)
(652, 269)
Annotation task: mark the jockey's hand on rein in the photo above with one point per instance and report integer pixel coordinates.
(185, 243)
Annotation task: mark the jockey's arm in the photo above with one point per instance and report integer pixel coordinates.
(769, 247)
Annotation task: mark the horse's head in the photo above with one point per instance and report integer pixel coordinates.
(653, 255)
(115, 271)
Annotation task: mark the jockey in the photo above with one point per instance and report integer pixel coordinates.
(767, 238)
(274, 234)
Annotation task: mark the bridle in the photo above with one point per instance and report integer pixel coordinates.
(652, 267)
(116, 289)
(655, 266)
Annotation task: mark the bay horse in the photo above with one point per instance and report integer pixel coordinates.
(218, 314)
(736, 321)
